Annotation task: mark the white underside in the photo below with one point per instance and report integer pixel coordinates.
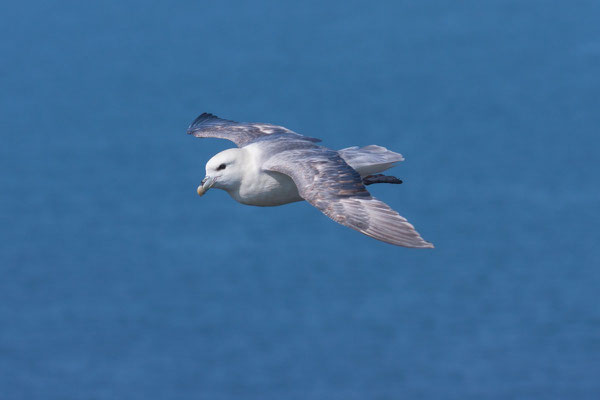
(268, 188)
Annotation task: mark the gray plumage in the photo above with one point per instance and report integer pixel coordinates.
(209, 125)
(330, 180)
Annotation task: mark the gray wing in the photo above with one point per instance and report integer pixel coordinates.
(325, 180)
(240, 133)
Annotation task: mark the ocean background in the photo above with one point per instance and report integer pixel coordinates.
(118, 282)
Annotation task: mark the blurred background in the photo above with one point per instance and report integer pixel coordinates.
(118, 282)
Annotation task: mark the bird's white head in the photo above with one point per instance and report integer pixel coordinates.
(223, 171)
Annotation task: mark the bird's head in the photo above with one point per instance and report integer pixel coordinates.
(223, 171)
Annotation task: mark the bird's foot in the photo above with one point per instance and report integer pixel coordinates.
(380, 178)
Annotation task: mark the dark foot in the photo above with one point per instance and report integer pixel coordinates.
(380, 178)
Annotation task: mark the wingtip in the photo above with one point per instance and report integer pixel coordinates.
(425, 245)
(201, 119)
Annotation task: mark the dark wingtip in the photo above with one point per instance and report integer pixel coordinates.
(201, 120)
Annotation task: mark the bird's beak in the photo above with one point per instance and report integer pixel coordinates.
(206, 184)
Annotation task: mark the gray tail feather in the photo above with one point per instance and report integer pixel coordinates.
(371, 159)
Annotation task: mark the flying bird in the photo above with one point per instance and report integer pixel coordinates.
(273, 165)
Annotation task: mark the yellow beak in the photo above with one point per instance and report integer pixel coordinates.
(206, 184)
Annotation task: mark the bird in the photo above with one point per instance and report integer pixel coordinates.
(273, 165)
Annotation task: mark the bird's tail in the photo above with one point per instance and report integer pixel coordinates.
(371, 159)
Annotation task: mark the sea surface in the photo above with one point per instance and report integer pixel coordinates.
(118, 282)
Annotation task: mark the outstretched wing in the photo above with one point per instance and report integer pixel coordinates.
(325, 180)
(240, 133)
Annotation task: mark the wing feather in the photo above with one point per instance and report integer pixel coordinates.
(240, 133)
(327, 182)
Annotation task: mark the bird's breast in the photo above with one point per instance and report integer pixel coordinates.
(267, 189)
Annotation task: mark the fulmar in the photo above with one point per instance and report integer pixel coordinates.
(274, 165)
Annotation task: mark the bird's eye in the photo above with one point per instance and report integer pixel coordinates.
(222, 166)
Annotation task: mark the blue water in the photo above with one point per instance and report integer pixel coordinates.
(118, 282)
